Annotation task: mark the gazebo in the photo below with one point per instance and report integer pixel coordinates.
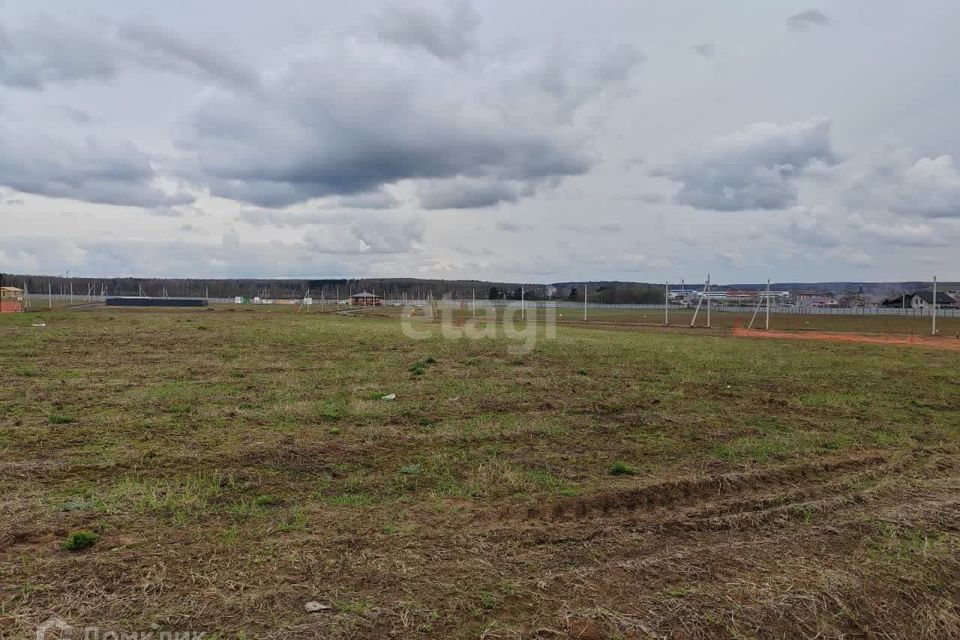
(366, 300)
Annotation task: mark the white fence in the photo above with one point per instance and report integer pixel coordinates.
(781, 309)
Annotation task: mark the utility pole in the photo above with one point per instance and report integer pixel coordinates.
(523, 308)
(708, 302)
(934, 327)
(584, 301)
(768, 304)
(666, 303)
(703, 294)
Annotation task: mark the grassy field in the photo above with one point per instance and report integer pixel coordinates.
(868, 323)
(216, 470)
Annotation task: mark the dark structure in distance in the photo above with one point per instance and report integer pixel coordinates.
(140, 301)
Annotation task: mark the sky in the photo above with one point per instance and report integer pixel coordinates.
(537, 141)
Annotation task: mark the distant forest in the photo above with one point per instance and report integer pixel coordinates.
(603, 292)
(332, 289)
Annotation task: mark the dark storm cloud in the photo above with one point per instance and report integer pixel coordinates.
(342, 119)
(807, 19)
(755, 168)
(443, 35)
(90, 169)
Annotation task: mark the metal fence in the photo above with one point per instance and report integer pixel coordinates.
(41, 300)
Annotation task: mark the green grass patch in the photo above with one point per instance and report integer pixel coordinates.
(620, 468)
(80, 540)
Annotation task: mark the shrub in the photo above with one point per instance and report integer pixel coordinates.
(80, 540)
(619, 468)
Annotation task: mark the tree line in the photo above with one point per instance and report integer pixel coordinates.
(336, 288)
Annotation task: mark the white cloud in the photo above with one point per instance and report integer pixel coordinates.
(925, 187)
(446, 35)
(755, 168)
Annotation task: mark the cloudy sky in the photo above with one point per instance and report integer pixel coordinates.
(540, 140)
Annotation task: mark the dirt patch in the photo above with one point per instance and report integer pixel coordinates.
(934, 342)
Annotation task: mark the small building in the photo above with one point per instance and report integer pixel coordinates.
(816, 299)
(11, 300)
(923, 300)
(365, 299)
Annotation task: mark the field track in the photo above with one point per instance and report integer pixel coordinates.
(933, 342)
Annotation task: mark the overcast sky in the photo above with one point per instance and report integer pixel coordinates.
(534, 140)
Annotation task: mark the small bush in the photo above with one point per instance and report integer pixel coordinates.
(430, 360)
(418, 369)
(80, 540)
(619, 468)
(56, 418)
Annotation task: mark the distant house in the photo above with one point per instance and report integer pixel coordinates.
(901, 301)
(921, 301)
(11, 300)
(924, 300)
(366, 300)
(816, 299)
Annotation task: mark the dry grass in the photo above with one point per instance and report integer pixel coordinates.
(235, 465)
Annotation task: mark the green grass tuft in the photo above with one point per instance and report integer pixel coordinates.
(80, 540)
(619, 468)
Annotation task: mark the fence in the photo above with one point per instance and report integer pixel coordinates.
(42, 300)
